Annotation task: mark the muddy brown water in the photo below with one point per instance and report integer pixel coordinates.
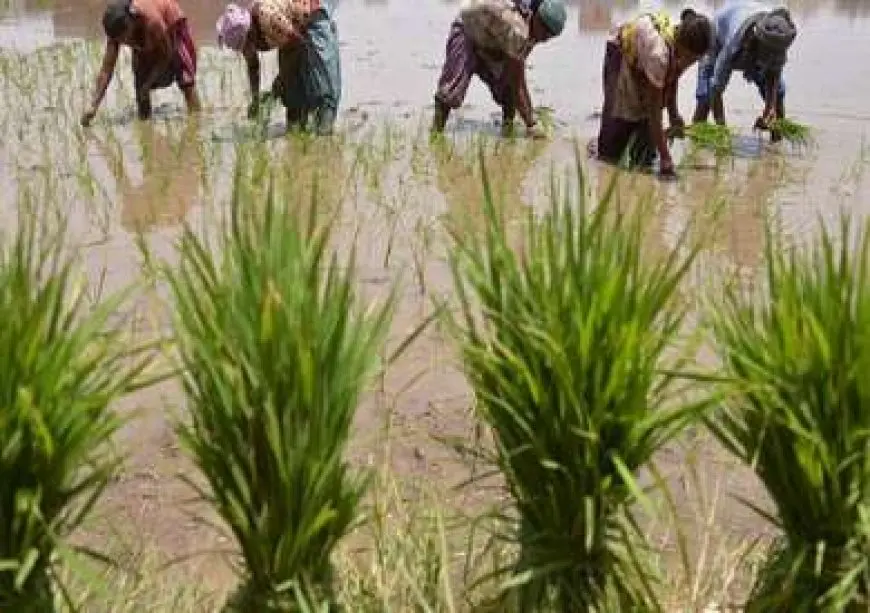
(123, 176)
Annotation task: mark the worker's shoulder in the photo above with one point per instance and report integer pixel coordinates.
(161, 13)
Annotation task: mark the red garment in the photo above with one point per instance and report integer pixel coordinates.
(182, 67)
(162, 13)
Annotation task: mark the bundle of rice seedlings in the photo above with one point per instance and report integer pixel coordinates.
(563, 344)
(546, 116)
(711, 136)
(797, 357)
(792, 132)
(275, 349)
(63, 364)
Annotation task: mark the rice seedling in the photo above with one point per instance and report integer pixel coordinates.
(63, 365)
(792, 132)
(563, 345)
(546, 117)
(138, 581)
(798, 413)
(711, 136)
(276, 351)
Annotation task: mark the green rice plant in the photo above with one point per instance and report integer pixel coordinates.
(275, 350)
(711, 136)
(64, 362)
(792, 132)
(798, 413)
(563, 342)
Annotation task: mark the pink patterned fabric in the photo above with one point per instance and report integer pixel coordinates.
(283, 22)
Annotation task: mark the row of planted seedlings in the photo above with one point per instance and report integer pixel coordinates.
(568, 344)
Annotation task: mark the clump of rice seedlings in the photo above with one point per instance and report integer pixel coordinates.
(275, 349)
(266, 103)
(711, 136)
(792, 132)
(563, 344)
(546, 117)
(798, 413)
(64, 363)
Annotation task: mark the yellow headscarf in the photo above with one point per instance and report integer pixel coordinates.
(662, 23)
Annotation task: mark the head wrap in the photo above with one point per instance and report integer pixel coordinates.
(553, 15)
(116, 17)
(233, 27)
(775, 33)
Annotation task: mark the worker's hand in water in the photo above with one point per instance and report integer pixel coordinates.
(677, 128)
(765, 121)
(535, 132)
(761, 124)
(666, 169)
(88, 117)
(507, 129)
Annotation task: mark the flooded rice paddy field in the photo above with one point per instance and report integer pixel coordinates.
(122, 177)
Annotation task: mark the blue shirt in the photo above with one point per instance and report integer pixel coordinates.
(728, 31)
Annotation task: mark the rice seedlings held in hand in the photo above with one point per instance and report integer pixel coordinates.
(62, 366)
(275, 349)
(712, 137)
(792, 132)
(545, 116)
(266, 103)
(798, 413)
(563, 344)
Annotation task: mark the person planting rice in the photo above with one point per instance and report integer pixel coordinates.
(643, 62)
(163, 52)
(493, 39)
(754, 39)
(309, 68)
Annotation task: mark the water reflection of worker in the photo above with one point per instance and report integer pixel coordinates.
(170, 179)
(594, 15)
(746, 194)
(755, 40)
(493, 39)
(507, 167)
(309, 64)
(163, 52)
